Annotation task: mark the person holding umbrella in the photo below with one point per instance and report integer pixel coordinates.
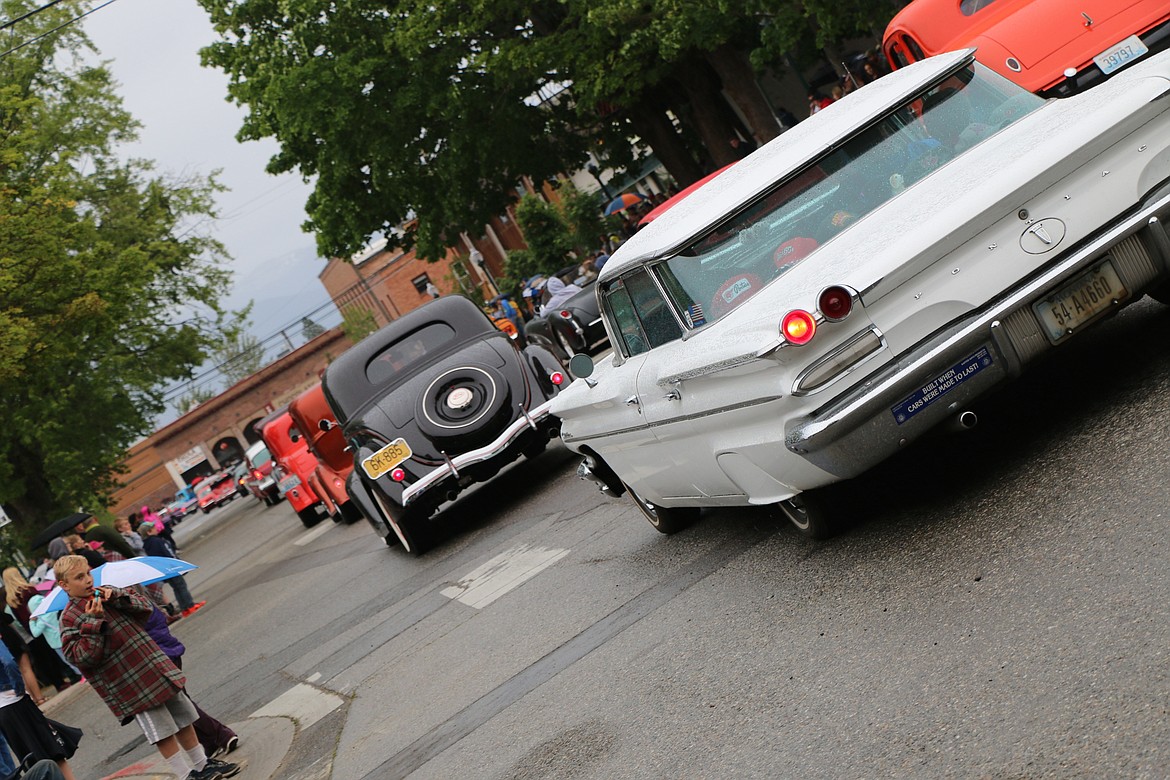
(158, 546)
(103, 636)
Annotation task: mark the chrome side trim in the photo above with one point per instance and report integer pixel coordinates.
(486, 452)
(881, 345)
(681, 418)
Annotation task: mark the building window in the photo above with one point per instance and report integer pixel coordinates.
(420, 283)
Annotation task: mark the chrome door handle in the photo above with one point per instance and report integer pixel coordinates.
(673, 395)
(632, 401)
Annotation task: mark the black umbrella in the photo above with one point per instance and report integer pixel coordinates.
(62, 526)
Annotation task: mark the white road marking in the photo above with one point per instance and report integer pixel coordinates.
(303, 703)
(314, 677)
(501, 574)
(323, 527)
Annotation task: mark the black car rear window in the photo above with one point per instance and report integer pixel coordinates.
(408, 350)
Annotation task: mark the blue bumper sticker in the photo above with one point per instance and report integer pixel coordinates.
(941, 385)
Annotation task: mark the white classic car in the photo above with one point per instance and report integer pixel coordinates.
(864, 278)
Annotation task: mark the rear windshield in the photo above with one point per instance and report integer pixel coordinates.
(407, 351)
(261, 457)
(767, 238)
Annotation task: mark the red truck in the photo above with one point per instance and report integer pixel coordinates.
(215, 490)
(291, 452)
(313, 417)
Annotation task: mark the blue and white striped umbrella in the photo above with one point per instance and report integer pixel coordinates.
(121, 574)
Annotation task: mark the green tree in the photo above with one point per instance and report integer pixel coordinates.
(393, 108)
(107, 288)
(196, 396)
(239, 355)
(427, 114)
(549, 240)
(357, 322)
(310, 329)
(582, 214)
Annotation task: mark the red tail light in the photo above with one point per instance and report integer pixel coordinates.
(257, 474)
(557, 378)
(798, 327)
(835, 303)
(398, 475)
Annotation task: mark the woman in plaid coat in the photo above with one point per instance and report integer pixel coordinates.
(102, 634)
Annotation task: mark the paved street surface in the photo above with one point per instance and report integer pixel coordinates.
(999, 610)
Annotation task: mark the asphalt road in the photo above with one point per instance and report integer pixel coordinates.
(999, 609)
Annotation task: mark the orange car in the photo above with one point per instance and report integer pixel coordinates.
(316, 421)
(1054, 48)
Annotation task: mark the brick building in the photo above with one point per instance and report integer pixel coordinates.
(217, 432)
(389, 282)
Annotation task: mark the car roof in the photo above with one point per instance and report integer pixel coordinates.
(345, 383)
(788, 154)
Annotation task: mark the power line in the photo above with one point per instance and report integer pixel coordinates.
(74, 20)
(31, 13)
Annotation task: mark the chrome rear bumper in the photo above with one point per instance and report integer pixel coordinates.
(529, 419)
(858, 429)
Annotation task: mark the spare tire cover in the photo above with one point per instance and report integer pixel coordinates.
(462, 401)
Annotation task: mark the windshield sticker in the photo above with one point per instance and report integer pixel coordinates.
(695, 316)
(737, 288)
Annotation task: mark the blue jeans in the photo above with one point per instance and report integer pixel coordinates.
(7, 764)
(182, 595)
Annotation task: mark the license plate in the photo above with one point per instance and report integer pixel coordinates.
(1120, 55)
(386, 458)
(290, 482)
(942, 384)
(1079, 301)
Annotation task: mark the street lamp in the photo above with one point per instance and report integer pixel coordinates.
(476, 257)
(596, 173)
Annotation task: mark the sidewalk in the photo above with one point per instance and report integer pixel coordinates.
(264, 742)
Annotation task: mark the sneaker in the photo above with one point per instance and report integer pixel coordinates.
(227, 747)
(225, 768)
(208, 772)
(191, 610)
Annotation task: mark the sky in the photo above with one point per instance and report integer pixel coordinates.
(188, 127)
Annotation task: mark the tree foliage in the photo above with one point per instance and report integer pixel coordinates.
(107, 289)
(435, 111)
(358, 322)
(310, 329)
(239, 355)
(194, 397)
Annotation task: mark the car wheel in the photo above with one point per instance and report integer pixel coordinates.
(810, 514)
(309, 516)
(1161, 294)
(462, 401)
(666, 520)
(350, 514)
(413, 534)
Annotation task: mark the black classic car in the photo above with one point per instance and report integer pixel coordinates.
(571, 327)
(432, 403)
